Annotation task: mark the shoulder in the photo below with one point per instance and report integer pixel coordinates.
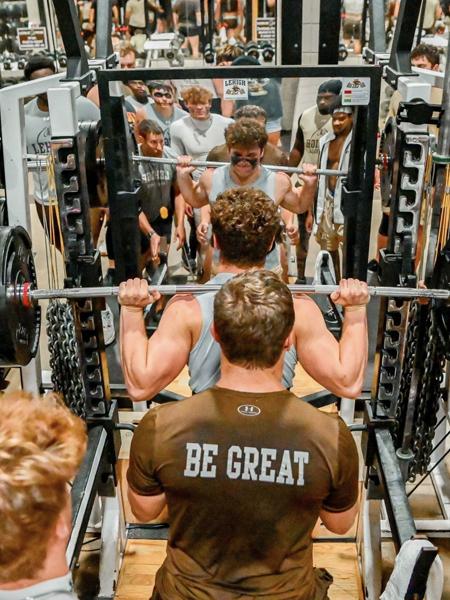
(221, 119)
(283, 181)
(305, 308)
(218, 153)
(30, 107)
(169, 152)
(182, 308)
(275, 156)
(178, 125)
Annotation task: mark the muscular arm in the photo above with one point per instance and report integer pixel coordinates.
(146, 508)
(298, 149)
(339, 522)
(150, 364)
(297, 200)
(195, 194)
(338, 366)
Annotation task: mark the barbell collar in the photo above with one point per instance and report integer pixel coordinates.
(214, 165)
(26, 295)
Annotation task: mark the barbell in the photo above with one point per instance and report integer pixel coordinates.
(214, 165)
(19, 296)
(37, 161)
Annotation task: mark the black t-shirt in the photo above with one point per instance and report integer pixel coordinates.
(187, 12)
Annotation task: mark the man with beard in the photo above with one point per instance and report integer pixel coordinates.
(313, 123)
(160, 199)
(334, 153)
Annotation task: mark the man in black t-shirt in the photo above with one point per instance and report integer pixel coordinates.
(160, 197)
(245, 468)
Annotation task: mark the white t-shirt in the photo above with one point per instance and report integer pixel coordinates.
(38, 135)
(196, 138)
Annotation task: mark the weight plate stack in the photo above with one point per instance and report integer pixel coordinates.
(19, 324)
(387, 154)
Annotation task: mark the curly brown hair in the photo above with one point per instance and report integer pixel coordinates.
(196, 95)
(245, 222)
(41, 447)
(247, 133)
(253, 316)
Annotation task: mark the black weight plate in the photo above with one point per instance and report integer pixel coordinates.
(92, 142)
(387, 154)
(19, 325)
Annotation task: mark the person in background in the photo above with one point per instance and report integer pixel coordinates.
(135, 16)
(195, 135)
(351, 23)
(164, 109)
(230, 15)
(313, 123)
(187, 20)
(160, 197)
(224, 58)
(42, 445)
(38, 136)
(334, 153)
(265, 93)
(433, 12)
(273, 155)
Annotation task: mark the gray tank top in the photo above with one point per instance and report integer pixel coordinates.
(221, 181)
(204, 358)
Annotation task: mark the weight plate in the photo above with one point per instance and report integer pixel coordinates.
(387, 154)
(19, 325)
(92, 141)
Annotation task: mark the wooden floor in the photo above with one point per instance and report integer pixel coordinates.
(143, 557)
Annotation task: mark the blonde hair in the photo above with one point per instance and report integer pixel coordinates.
(196, 95)
(253, 316)
(41, 447)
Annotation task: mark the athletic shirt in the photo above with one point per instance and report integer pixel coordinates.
(60, 588)
(221, 181)
(204, 358)
(245, 476)
(314, 126)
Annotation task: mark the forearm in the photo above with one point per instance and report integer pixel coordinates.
(294, 157)
(144, 224)
(190, 192)
(180, 206)
(287, 217)
(133, 351)
(353, 349)
(306, 195)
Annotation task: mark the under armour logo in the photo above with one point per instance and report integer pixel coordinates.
(249, 410)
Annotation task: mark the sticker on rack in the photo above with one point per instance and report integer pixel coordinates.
(355, 91)
(235, 89)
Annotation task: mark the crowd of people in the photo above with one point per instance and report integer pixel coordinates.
(243, 434)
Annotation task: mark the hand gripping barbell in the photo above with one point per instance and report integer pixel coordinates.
(19, 296)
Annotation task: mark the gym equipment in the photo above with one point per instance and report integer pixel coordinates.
(387, 152)
(213, 165)
(20, 327)
(19, 297)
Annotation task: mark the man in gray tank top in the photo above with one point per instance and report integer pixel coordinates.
(246, 141)
(245, 224)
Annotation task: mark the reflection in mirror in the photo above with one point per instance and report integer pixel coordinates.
(304, 123)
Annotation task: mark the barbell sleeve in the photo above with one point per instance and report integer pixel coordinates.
(214, 165)
(27, 295)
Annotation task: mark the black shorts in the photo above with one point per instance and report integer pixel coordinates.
(189, 31)
(384, 225)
